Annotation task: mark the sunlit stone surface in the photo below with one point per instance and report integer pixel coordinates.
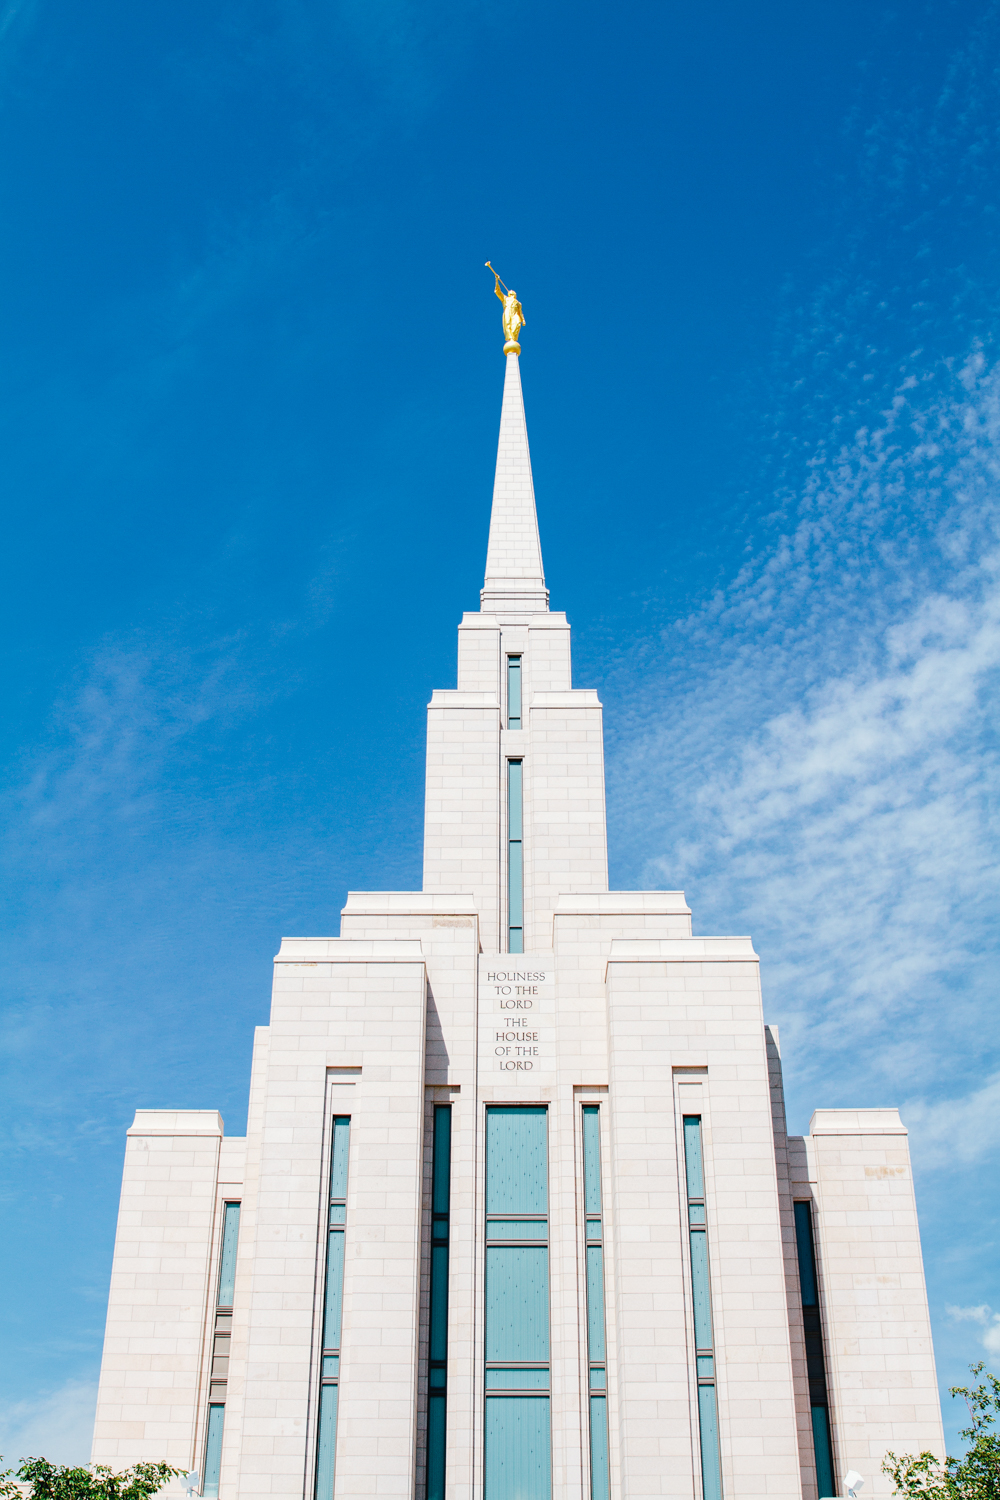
(611, 1004)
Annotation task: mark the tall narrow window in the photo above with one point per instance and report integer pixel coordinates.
(701, 1298)
(227, 1260)
(515, 856)
(517, 1430)
(437, 1401)
(222, 1331)
(815, 1362)
(513, 692)
(596, 1342)
(213, 1448)
(333, 1305)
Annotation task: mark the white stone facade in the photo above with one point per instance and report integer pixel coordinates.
(629, 1012)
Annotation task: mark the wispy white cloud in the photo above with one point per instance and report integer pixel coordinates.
(980, 1314)
(984, 1316)
(57, 1425)
(823, 768)
(950, 1132)
(136, 703)
(121, 738)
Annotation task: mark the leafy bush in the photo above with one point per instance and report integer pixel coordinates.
(45, 1481)
(974, 1477)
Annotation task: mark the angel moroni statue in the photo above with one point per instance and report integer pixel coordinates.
(513, 315)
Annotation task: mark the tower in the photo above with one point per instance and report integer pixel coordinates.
(516, 1214)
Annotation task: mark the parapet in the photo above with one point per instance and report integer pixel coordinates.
(176, 1122)
(856, 1122)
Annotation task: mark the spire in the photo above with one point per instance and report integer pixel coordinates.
(514, 577)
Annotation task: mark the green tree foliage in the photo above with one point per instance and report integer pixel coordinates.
(41, 1480)
(974, 1477)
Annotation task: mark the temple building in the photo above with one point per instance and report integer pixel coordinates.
(517, 1215)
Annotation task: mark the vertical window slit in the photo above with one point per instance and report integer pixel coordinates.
(701, 1300)
(596, 1342)
(437, 1378)
(213, 1448)
(819, 1403)
(513, 692)
(515, 856)
(333, 1310)
(222, 1329)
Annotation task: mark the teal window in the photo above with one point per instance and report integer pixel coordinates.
(599, 1480)
(227, 1260)
(333, 1309)
(222, 1331)
(596, 1350)
(517, 1427)
(701, 1299)
(437, 1379)
(823, 1449)
(708, 1427)
(213, 1449)
(516, 1162)
(815, 1356)
(515, 856)
(517, 1438)
(329, 1395)
(334, 1295)
(519, 1229)
(513, 692)
(517, 1302)
(530, 1379)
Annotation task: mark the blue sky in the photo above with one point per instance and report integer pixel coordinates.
(250, 393)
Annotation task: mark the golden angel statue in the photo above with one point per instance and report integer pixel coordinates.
(513, 315)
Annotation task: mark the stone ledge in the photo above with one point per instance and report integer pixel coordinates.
(206, 1122)
(566, 698)
(463, 698)
(622, 904)
(683, 950)
(856, 1122)
(492, 619)
(409, 904)
(349, 950)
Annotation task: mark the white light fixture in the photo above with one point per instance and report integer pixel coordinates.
(853, 1482)
(190, 1482)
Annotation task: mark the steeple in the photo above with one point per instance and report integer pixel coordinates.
(514, 577)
